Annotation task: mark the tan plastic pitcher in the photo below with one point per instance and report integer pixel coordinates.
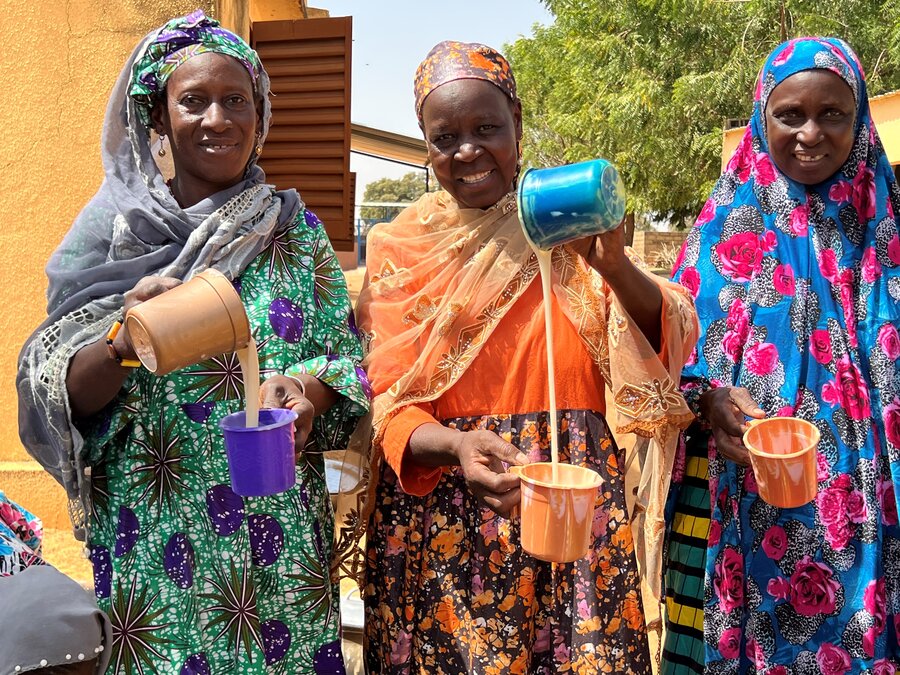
(783, 456)
(557, 517)
(201, 318)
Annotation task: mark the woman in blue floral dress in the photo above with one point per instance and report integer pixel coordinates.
(195, 579)
(794, 265)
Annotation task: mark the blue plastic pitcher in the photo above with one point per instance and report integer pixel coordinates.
(564, 203)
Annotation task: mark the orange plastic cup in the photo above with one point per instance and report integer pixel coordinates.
(201, 318)
(557, 517)
(783, 456)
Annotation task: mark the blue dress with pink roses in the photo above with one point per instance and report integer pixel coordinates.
(798, 291)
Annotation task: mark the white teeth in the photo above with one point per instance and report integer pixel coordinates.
(474, 178)
(807, 158)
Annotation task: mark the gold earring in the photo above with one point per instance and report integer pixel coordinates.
(258, 145)
(162, 151)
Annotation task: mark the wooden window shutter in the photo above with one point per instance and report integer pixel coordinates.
(308, 147)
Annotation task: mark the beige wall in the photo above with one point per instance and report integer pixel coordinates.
(67, 56)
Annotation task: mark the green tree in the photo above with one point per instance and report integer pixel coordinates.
(405, 189)
(648, 84)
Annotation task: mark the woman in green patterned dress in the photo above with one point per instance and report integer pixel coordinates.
(195, 579)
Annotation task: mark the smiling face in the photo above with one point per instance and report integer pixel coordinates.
(472, 129)
(810, 122)
(211, 119)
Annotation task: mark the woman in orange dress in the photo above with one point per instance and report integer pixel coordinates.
(453, 316)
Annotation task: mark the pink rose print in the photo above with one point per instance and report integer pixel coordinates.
(732, 344)
(741, 256)
(857, 510)
(764, 169)
(754, 652)
(893, 249)
(750, 482)
(868, 642)
(871, 268)
(892, 422)
(822, 468)
(715, 533)
(729, 580)
(836, 511)
(706, 215)
(740, 162)
(768, 241)
(783, 279)
(820, 346)
(690, 279)
(888, 500)
(845, 279)
(863, 198)
(828, 264)
(779, 588)
(799, 222)
(841, 191)
(874, 600)
(889, 341)
(692, 359)
(813, 588)
(839, 534)
(884, 667)
(774, 542)
(832, 660)
(730, 643)
(777, 670)
(738, 318)
(761, 358)
(854, 393)
(680, 258)
(785, 55)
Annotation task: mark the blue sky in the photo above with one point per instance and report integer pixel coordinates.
(391, 37)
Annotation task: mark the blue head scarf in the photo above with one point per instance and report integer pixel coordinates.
(798, 294)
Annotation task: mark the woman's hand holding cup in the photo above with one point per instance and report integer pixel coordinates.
(726, 410)
(282, 391)
(144, 289)
(481, 456)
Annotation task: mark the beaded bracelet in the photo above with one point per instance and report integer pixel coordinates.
(692, 391)
(111, 348)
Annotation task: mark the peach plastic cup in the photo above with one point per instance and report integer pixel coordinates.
(557, 517)
(201, 318)
(783, 456)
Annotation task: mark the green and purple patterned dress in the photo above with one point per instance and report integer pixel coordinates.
(196, 579)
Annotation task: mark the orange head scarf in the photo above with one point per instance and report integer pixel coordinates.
(449, 61)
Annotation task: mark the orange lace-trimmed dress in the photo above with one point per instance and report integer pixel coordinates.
(449, 590)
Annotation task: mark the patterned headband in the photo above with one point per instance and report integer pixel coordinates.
(176, 42)
(449, 61)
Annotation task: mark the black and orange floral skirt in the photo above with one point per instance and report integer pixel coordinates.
(450, 591)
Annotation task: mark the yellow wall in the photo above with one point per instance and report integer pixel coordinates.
(885, 112)
(67, 56)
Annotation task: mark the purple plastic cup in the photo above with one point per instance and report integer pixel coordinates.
(260, 459)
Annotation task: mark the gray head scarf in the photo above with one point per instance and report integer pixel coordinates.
(133, 227)
(61, 623)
